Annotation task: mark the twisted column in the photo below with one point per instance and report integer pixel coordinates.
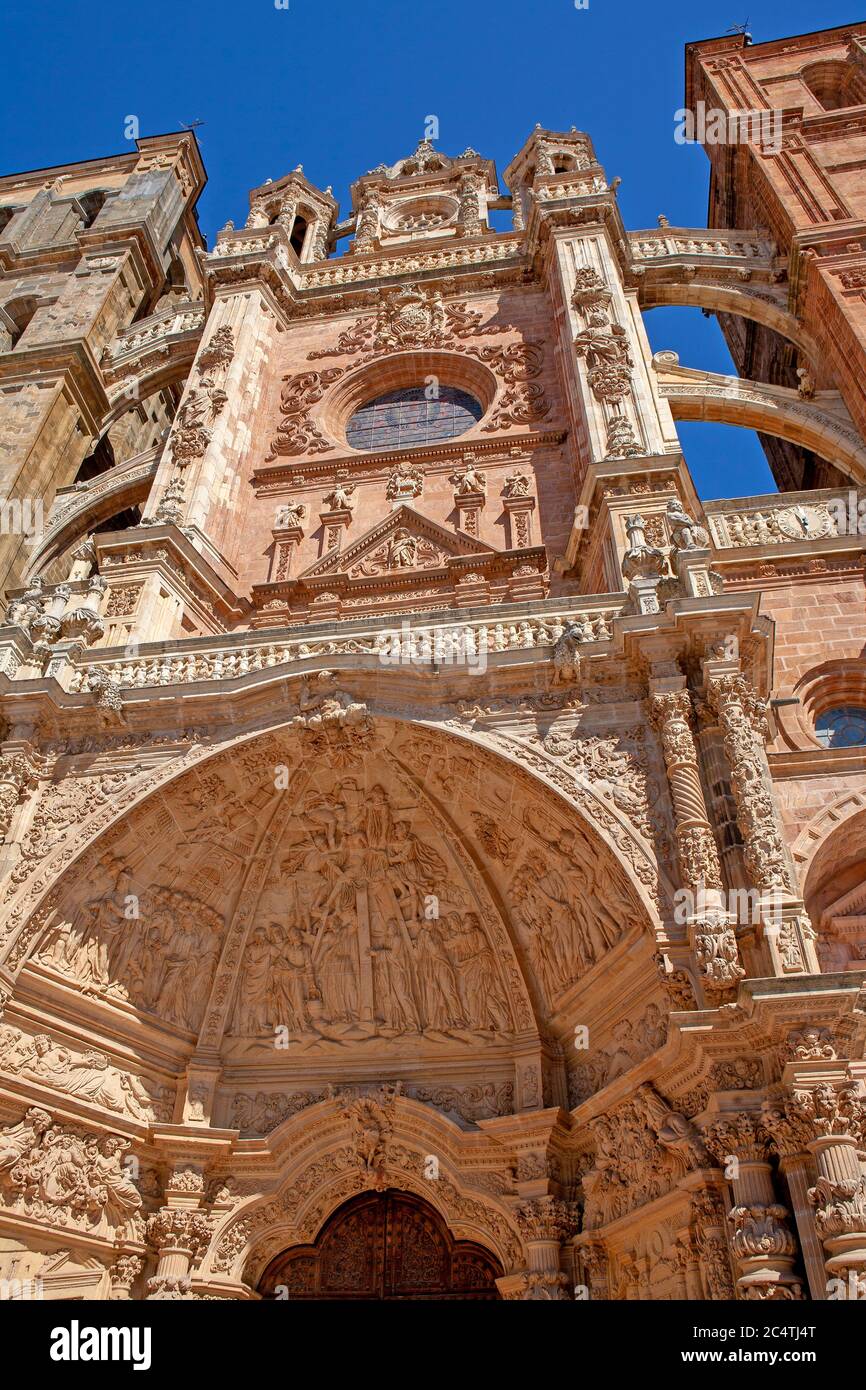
(742, 718)
(710, 929)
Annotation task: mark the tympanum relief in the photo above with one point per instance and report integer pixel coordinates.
(366, 929)
(157, 950)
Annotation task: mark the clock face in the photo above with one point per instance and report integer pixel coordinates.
(797, 522)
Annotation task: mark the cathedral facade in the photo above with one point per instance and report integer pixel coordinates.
(434, 838)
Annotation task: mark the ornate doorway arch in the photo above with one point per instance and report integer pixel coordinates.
(383, 1246)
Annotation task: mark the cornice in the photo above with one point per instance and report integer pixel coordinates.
(276, 476)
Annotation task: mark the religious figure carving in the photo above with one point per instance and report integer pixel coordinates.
(355, 951)
(159, 955)
(62, 1174)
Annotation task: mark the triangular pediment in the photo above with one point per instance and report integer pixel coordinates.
(402, 542)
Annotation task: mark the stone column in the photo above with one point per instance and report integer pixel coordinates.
(711, 932)
(829, 1120)
(761, 1241)
(180, 1231)
(544, 1223)
(334, 524)
(518, 511)
(707, 1232)
(742, 717)
(123, 1274)
(179, 1235)
(592, 1265)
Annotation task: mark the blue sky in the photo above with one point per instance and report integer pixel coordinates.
(341, 86)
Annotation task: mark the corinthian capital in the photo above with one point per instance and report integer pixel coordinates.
(742, 1135)
(547, 1218)
(180, 1228)
(832, 1110)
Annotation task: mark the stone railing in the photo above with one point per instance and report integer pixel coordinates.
(175, 322)
(788, 518)
(456, 640)
(677, 242)
(577, 185)
(350, 270)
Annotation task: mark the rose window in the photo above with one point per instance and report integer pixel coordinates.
(411, 416)
(842, 727)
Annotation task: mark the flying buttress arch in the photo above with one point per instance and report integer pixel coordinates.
(821, 424)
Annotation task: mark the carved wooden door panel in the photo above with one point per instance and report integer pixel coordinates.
(383, 1245)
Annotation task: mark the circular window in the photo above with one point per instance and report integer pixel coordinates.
(407, 417)
(842, 727)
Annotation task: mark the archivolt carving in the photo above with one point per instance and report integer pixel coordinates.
(397, 1141)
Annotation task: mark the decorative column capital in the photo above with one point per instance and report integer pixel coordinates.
(179, 1228)
(833, 1111)
(743, 1135)
(547, 1219)
(123, 1274)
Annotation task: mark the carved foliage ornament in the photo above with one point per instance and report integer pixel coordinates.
(297, 434)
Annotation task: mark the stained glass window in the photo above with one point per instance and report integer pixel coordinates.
(406, 417)
(842, 727)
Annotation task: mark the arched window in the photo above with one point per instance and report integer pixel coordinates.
(14, 318)
(411, 416)
(298, 234)
(834, 84)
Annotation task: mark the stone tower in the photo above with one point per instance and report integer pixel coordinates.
(421, 811)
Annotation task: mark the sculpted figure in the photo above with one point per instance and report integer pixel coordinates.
(685, 533)
(392, 984)
(21, 1140)
(403, 550)
(320, 703)
(485, 1000)
(338, 969)
(566, 656)
(340, 498)
(294, 979)
(291, 514)
(437, 981)
(122, 1199)
(469, 481)
(251, 1009)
